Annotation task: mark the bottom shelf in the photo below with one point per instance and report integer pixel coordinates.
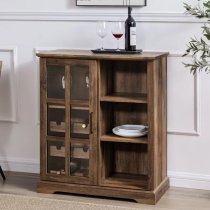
(124, 165)
(122, 180)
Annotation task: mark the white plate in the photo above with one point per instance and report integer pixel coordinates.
(134, 129)
(132, 135)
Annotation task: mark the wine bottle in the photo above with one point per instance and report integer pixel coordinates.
(130, 32)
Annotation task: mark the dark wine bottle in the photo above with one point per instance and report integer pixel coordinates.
(130, 32)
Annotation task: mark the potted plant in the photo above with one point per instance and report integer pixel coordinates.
(199, 48)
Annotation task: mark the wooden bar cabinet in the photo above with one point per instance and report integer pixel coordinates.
(83, 96)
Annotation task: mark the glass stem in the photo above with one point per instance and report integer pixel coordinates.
(118, 45)
(102, 44)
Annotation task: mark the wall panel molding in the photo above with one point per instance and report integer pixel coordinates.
(196, 106)
(13, 83)
(77, 15)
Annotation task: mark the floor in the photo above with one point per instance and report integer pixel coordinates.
(174, 198)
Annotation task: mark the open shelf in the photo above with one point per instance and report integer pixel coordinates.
(113, 138)
(125, 98)
(127, 180)
(123, 81)
(115, 114)
(125, 165)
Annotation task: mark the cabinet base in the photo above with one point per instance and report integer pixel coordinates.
(140, 196)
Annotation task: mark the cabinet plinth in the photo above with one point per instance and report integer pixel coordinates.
(83, 97)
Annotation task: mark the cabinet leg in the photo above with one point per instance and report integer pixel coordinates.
(2, 173)
(45, 188)
(146, 201)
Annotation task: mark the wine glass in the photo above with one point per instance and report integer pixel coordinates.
(101, 29)
(117, 31)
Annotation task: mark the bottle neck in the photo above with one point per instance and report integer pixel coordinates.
(129, 11)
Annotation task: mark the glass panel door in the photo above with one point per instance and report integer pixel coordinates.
(55, 146)
(55, 157)
(70, 108)
(80, 125)
(80, 122)
(79, 165)
(79, 82)
(56, 125)
(56, 81)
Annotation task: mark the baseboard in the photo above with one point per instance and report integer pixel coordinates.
(189, 180)
(176, 179)
(20, 165)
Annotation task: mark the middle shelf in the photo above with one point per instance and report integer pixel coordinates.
(125, 98)
(113, 138)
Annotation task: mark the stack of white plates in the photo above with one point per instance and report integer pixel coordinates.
(130, 130)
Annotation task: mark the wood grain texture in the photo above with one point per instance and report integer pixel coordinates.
(110, 137)
(43, 118)
(93, 67)
(67, 121)
(141, 196)
(123, 89)
(86, 54)
(125, 98)
(152, 122)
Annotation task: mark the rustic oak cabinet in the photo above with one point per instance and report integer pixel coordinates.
(83, 96)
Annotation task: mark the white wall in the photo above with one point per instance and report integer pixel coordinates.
(27, 26)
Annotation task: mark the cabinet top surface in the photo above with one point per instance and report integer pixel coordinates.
(87, 54)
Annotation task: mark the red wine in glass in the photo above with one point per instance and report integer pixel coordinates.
(117, 36)
(117, 31)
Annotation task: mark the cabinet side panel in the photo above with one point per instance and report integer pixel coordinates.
(157, 121)
(151, 122)
(163, 105)
(160, 104)
(161, 159)
(43, 116)
(101, 126)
